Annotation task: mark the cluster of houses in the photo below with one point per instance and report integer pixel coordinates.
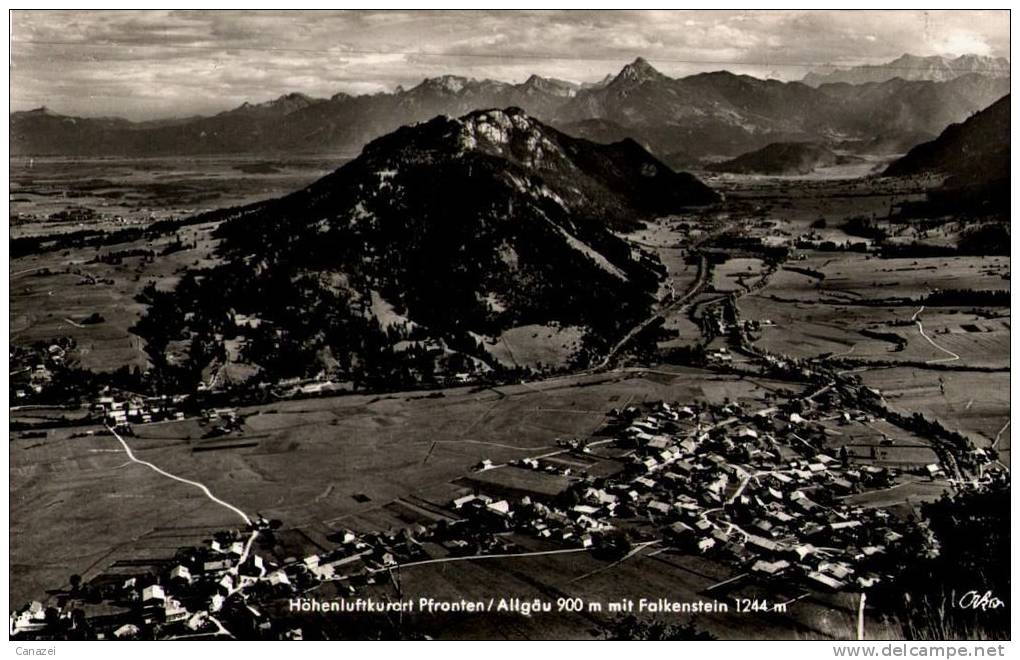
(74, 214)
(119, 411)
(754, 489)
(576, 525)
(758, 489)
(205, 591)
(32, 367)
(228, 588)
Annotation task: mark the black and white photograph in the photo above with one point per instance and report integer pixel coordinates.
(510, 324)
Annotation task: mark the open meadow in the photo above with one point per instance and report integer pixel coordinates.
(974, 403)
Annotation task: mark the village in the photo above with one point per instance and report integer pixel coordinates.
(760, 490)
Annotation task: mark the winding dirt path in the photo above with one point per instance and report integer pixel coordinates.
(196, 484)
(920, 328)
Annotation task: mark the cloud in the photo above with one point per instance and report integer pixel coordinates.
(92, 62)
(963, 42)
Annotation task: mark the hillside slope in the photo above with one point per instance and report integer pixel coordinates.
(781, 158)
(974, 148)
(973, 155)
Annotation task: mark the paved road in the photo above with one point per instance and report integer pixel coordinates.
(860, 615)
(725, 582)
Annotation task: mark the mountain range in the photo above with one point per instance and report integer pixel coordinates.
(912, 67)
(681, 120)
(415, 258)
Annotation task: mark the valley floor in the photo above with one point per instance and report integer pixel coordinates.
(372, 463)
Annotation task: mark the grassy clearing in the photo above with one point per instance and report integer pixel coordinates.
(736, 274)
(872, 278)
(535, 345)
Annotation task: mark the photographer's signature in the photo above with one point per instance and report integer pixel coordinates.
(975, 600)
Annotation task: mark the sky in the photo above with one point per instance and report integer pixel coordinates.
(158, 64)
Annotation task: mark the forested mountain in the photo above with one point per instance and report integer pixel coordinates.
(440, 236)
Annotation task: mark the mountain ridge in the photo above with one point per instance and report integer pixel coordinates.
(707, 114)
(913, 67)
